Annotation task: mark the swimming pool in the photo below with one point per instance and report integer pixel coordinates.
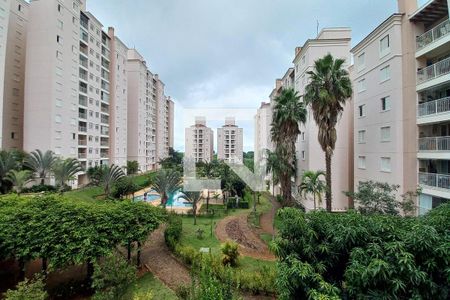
(150, 198)
(176, 200)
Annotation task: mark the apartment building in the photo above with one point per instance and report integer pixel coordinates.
(13, 36)
(199, 141)
(163, 114)
(263, 140)
(310, 155)
(142, 110)
(230, 142)
(431, 49)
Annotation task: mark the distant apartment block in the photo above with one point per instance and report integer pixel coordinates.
(13, 37)
(230, 142)
(263, 138)
(199, 141)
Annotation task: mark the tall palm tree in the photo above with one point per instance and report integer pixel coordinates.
(8, 163)
(312, 184)
(41, 163)
(288, 113)
(111, 174)
(327, 94)
(19, 179)
(166, 183)
(272, 167)
(194, 198)
(65, 170)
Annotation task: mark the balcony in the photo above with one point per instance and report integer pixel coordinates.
(82, 100)
(434, 34)
(82, 155)
(104, 120)
(83, 89)
(82, 128)
(82, 142)
(82, 115)
(83, 61)
(438, 143)
(434, 107)
(434, 71)
(435, 180)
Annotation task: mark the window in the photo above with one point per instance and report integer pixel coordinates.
(58, 150)
(385, 103)
(19, 8)
(58, 119)
(362, 110)
(385, 46)
(303, 155)
(385, 134)
(361, 61)
(385, 74)
(361, 85)
(12, 135)
(59, 39)
(59, 55)
(59, 7)
(303, 136)
(59, 103)
(60, 24)
(361, 162)
(386, 164)
(361, 137)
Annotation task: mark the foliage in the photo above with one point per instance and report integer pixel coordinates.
(193, 197)
(124, 187)
(132, 167)
(363, 256)
(28, 290)
(327, 93)
(149, 287)
(19, 179)
(312, 184)
(41, 163)
(65, 170)
(111, 174)
(288, 113)
(173, 231)
(230, 254)
(95, 175)
(166, 183)
(8, 163)
(39, 188)
(112, 277)
(174, 161)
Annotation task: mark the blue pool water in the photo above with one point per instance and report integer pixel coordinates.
(176, 200)
(150, 198)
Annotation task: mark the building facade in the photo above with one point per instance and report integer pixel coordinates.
(263, 140)
(199, 141)
(230, 143)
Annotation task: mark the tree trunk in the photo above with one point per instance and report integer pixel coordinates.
(194, 211)
(254, 203)
(44, 265)
(90, 271)
(138, 256)
(42, 181)
(207, 201)
(129, 251)
(273, 185)
(328, 194)
(314, 195)
(21, 269)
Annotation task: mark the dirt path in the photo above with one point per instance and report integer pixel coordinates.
(162, 263)
(266, 219)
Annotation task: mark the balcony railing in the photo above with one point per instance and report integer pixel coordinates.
(438, 143)
(438, 69)
(82, 142)
(82, 100)
(104, 120)
(82, 155)
(435, 180)
(82, 115)
(434, 107)
(83, 89)
(82, 129)
(433, 34)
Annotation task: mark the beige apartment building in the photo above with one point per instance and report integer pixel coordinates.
(199, 141)
(230, 143)
(13, 37)
(263, 140)
(310, 155)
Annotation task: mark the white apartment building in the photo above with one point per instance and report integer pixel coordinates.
(263, 139)
(230, 143)
(13, 36)
(199, 141)
(310, 155)
(164, 112)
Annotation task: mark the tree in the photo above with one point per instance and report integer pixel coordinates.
(95, 175)
(65, 170)
(124, 187)
(111, 174)
(19, 179)
(132, 167)
(312, 184)
(327, 93)
(288, 113)
(8, 163)
(194, 198)
(28, 289)
(272, 167)
(173, 161)
(166, 183)
(41, 163)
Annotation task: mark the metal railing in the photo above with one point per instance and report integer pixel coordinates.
(434, 107)
(83, 61)
(435, 180)
(82, 115)
(82, 155)
(82, 100)
(82, 129)
(438, 69)
(433, 34)
(437, 143)
(83, 89)
(82, 142)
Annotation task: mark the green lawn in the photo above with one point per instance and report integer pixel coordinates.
(150, 284)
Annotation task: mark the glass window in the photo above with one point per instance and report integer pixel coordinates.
(385, 134)
(361, 85)
(386, 103)
(361, 162)
(362, 110)
(385, 74)
(384, 45)
(386, 164)
(361, 61)
(361, 136)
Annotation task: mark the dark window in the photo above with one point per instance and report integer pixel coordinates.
(19, 8)
(59, 7)
(12, 135)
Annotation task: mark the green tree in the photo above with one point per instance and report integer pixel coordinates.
(19, 179)
(124, 187)
(273, 167)
(173, 161)
(194, 198)
(65, 170)
(111, 174)
(132, 167)
(312, 184)
(8, 163)
(327, 94)
(41, 163)
(28, 290)
(288, 113)
(95, 175)
(166, 183)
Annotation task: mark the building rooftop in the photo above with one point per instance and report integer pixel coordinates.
(430, 12)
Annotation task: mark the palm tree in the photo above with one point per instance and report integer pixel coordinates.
(194, 198)
(111, 175)
(8, 163)
(65, 170)
(272, 167)
(19, 179)
(41, 163)
(288, 113)
(327, 94)
(312, 184)
(166, 183)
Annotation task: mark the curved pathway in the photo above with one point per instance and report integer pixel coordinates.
(267, 218)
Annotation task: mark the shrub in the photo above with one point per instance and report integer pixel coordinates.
(28, 289)
(230, 254)
(173, 231)
(39, 189)
(188, 254)
(124, 187)
(112, 278)
(258, 282)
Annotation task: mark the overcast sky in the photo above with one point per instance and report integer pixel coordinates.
(228, 53)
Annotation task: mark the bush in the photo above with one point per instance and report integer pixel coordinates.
(112, 278)
(173, 231)
(230, 254)
(188, 254)
(124, 187)
(262, 282)
(28, 290)
(39, 189)
(242, 203)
